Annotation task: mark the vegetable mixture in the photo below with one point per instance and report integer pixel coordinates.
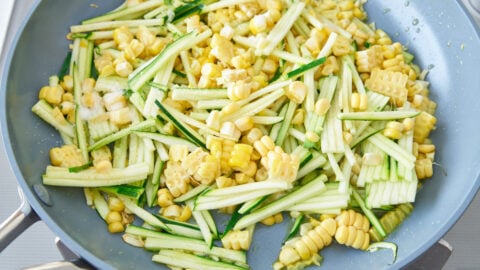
(171, 111)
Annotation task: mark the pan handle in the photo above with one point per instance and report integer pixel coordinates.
(17, 223)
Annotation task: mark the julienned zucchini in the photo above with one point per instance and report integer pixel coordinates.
(146, 72)
(182, 228)
(156, 240)
(146, 124)
(188, 132)
(315, 186)
(378, 116)
(190, 261)
(167, 140)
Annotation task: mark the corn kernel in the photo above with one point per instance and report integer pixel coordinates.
(115, 204)
(229, 129)
(223, 182)
(312, 136)
(211, 70)
(254, 135)
(116, 227)
(213, 120)
(298, 117)
(322, 106)
(123, 68)
(172, 211)
(122, 35)
(164, 197)
(178, 152)
(230, 108)
(270, 66)
(67, 83)
(241, 178)
(244, 123)
(120, 117)
(258, 24)
(296, 92)
(240, 156)
(227, 32)
(113, 216)
(426, 148)
(66, 107)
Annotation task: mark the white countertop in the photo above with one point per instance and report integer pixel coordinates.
(37, 246)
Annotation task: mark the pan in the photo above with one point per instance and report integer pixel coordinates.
(439, 33)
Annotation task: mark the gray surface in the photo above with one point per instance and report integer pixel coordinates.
(38, 241)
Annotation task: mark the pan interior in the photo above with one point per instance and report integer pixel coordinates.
(441, 37)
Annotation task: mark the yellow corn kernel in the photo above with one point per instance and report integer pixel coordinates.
(223, 182)
(102, 166)
(113, 216)
(230, 108)
(424, 123)
(296, 92)
(229, 129)
(426, 148)
(241, 178)
(222, 48)
(298, 117)
(369, 59)
(261, 174)
(227, 32)
(115, 204)
(208, 170)
(341, 46)
(185, 215)
(269, 221)
(67, 83)
(67, 107)
(240, 156)
(164, 197)
(120, 117)
(329, 67)
(244, 123)
(254, 135)
(424, 168)
(312, 45)
(306, 246)
(145, 36)
(213, 120)
(67, 97)
(53, 94)
(322, 106)
(359, 101)
(178, 152)
(116, 227)
(389, 83)
(172, 211)
(211, 70)
(270, 66)
(350, 236)
(66, 156)
(239, 90)
(408, 124)
(157, 46)
(352, 218)
(312, 136)
(251, 169)
(123, 68)
(122, 35)
(258, 24)
(114, 101)
(237, 240)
